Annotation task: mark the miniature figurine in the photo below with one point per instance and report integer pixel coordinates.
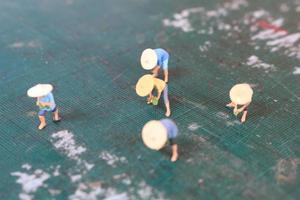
(155, 135)
(45, 102)
(145, 86)
(155, 59)
(240, 95)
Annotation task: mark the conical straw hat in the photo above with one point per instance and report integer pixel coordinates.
(148, 59)
(154, 135)
(241, 94)
(144, 85)
(39, 90)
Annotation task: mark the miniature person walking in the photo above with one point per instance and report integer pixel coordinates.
(45, 102)
(240, 94)
(155, 59)
(145, 86)
(155, 135)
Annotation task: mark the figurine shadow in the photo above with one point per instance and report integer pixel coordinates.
(260, 109)
(180, 72)
(74, 115)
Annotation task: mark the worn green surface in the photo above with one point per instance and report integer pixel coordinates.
(89, 50)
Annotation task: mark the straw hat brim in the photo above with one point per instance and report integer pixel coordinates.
(144, 85)
(148, 59)
(154, 135)
(39, 90)
(241, 94)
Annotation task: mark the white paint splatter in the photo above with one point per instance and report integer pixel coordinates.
(297, 6)
(94, 192)
(112, 159)
(26, 166)
(284, 8)
(193, 126)
(235, 4)
(275, 38)
(16, 45)
(181, 20)
(147, 192)
(284, 42)
(87, 165)
(29, 44)
(31, 182)
(64, 141)
(222, 115)
(24, 196)
(233, 123)
(201, 181)
(260, 13)
(54, 192)
(255, 62)
(75, 178)
(297, 71)
(124, 178)
(56, 171)
(268, 34)
(83, 192)
(33, 44)
(205, 46)
(112, 194)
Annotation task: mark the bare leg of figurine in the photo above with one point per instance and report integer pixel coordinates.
(168, 110)
(149, 99)
(231, 105)
(167, 102)
(56, 117)
(43, 122)
(243, 119)
(155, 71)
(174, 152)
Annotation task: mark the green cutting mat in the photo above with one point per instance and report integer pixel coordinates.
(89, 50)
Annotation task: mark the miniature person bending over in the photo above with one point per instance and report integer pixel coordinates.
(161, 86)
(240, 94)
(155, 59)
(236, 110)
(145, 86)
(172, 132)
(156, 134)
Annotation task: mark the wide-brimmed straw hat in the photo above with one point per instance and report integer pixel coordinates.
(241, 94)
(144, 85)
(148, 59)
(154, 135)
(39, 90)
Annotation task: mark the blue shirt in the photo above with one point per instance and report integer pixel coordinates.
(162, 58)
(48, 99)
(171, 127)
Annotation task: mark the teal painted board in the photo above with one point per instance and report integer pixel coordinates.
(90, 51)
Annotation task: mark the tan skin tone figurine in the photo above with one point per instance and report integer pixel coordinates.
(239, 110)
(160, 86)
(240, 95)
(155, 72)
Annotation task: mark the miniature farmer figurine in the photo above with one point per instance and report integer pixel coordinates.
(240, 94)
(155, 59)
(45, 102)
(155, 135)
(145, 86)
